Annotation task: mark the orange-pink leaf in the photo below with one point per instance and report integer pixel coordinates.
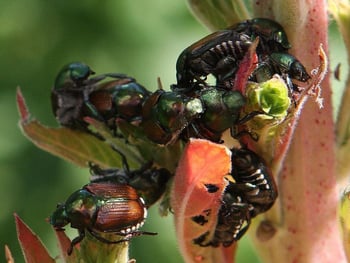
(203, 163)
(32, 248)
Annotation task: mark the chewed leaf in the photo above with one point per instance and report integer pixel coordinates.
(33, 249)
(196, 198)
(75, 146)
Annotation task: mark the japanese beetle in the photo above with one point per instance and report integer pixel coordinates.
(253, 191)
(221, 52)
(102, 208)
(282, 64)
(149, 182)
(272, 37)
(254, 182)
(67, 96)
(233, 221)
(72, 76)
(76, 95)
(221, 112)
(218, 54)
(166, 114)
(118, 99)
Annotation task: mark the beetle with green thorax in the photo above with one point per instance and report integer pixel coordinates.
(101, 208)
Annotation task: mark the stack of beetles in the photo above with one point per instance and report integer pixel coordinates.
(111, 203)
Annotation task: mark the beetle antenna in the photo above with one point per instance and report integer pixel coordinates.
(159, 82)
(124, 160)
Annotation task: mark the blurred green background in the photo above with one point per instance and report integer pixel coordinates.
(140, 38)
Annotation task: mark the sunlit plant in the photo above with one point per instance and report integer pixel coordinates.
(296, 138)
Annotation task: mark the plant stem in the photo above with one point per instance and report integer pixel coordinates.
(308, 229)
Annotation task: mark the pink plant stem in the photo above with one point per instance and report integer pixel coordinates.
(308, 229)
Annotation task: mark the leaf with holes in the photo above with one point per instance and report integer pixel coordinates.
(198, 186)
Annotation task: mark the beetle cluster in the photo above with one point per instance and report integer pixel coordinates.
(192, 108)
(163, 116)
(221, 53)
(251, 192)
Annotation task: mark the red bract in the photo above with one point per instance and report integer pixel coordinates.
(246, 67)
(32, 248)
(203, 165)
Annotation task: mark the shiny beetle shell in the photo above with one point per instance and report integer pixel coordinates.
(121, 208)
(218, 54)
(149, 182)
(283, 64)
(102, 207)
(122, 98)
(254, 181)
(77, 95)
(72, 76)
(67, 95)
(222, 110)
(166, 114)
(272, 36)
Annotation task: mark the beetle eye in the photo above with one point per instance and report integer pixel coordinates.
(297, 71)
(278, 37)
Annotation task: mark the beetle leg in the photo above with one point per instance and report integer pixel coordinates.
(75, 241)
(91, 107)
(240, 212)
(237, 135)
(120, 76)
(249, 116)
(105, 175)
(140, 233)
(146, 166)
(124, 160)
(104, 240)
(127, 238)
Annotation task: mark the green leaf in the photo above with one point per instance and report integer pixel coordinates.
(345, 219)
(218, 14)
(270, 97)
(72, 145)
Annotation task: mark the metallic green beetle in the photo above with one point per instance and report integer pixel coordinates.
(102, 208)
(283, 64)
(76, 95)
(166, 114)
